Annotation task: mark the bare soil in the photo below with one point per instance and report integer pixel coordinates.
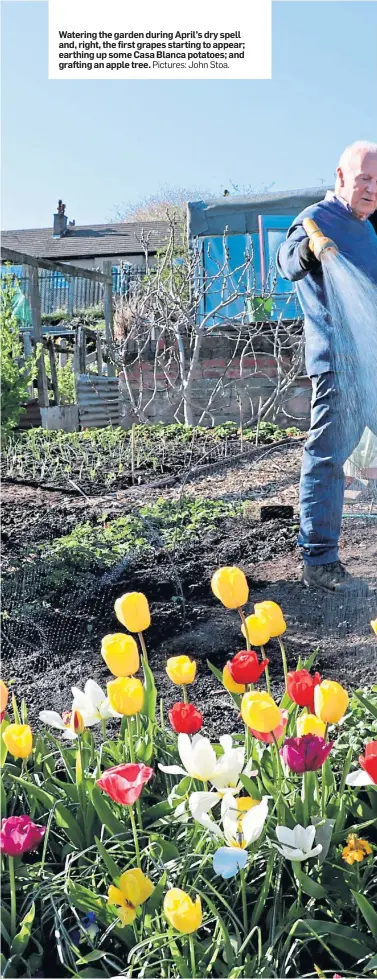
(47, 648)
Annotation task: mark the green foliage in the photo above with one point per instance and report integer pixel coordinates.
(14, 376)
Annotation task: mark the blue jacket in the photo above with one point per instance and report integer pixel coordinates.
(356, 240)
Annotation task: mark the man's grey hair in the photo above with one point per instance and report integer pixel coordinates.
(354, 150)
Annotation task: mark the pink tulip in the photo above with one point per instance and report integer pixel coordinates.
(277, 733)
(305, 754)
(124, 783)
(19, 834)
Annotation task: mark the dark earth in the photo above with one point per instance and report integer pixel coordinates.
(50, 645)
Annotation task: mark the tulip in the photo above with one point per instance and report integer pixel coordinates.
(259, 712)
(275, 734)
(301, 686)
(185, 718)
(92, 703)
(229, 585)
(330, 701)
(4, 695)
(120, 653)
(124, 783)
(229, 683)
(242, 819)
(374, 626)
(19, 834)
(134, 889)
(228, 861)
(182, 913)
(126, 695)
(368, 773)
(18, 739)
(297, 843)
(181, 670)
(305, 754)
(199, 760)
(310, 724)
(273, 613)
(132, 610)
(258, 629)
(245, 667)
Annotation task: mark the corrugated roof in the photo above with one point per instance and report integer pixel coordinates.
(239, 213)
(88, 241)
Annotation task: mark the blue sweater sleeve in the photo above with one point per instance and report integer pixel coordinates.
(288, 259)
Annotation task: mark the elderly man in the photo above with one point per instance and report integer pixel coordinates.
(335, 430)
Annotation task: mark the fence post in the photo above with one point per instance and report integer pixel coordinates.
(108, 310)
(54, 376)
(35, 305)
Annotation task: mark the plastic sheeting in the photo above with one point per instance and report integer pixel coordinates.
(364, 458)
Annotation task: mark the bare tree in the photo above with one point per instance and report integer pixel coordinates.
(164, 321)
(166, 202)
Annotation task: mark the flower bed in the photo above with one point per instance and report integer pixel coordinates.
(159, 853)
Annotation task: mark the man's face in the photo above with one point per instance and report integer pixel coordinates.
(358, 183)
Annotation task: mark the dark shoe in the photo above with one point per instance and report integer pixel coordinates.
(333, 577)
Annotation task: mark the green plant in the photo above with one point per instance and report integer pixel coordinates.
(16, 371)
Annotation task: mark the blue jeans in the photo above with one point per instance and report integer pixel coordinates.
(337, 424)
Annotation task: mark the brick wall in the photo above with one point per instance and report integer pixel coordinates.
(240, 383)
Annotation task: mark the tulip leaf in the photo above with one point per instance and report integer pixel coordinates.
(3, 747)
(34, 791)
(367, 912)
(105, 813)
(155, 899)
(251, 787)
(68, 822)
(94, 956)
(167, 851)
(110, 864)
(149, 707)
(308, 885)
(367, 704)
(21, 939)
(236, 697)
(154, 813)
(3, 799)
(354, 943)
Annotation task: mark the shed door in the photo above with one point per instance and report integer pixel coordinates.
(272, 231)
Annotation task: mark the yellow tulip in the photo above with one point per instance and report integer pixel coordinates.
(231, 587)
(4, 694)
(126, 695)
(330, 701)
(231, 684)
(134, 888)
(259, 712)
(182, 913)
(273, 613)
(310, 724)
(181, 670)
(258, 628)
(132, 610)
(19, 740)
(120, 653)
(374, 625)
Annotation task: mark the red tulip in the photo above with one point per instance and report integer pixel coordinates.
(185, 718)
(305, 754)
(300, 688)
(124, 783)
(368, 761)
(245, 666)
(19, 834)
(277, 733)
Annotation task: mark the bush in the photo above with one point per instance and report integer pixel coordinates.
(15, 376)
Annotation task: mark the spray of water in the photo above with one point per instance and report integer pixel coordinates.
(352, 303)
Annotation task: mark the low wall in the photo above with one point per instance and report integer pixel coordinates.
(238, 387)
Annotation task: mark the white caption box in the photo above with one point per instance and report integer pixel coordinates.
(113, 39)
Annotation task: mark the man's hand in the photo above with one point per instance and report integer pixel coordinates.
(308, 261)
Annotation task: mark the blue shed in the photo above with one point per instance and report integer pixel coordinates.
(255, 226)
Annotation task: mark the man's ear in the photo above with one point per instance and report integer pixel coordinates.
(339, 176)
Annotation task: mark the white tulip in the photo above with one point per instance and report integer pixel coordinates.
(297, 843)
(92, 703)
(53, 719)
(200, 761)
(240, 827)
(359, 777)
